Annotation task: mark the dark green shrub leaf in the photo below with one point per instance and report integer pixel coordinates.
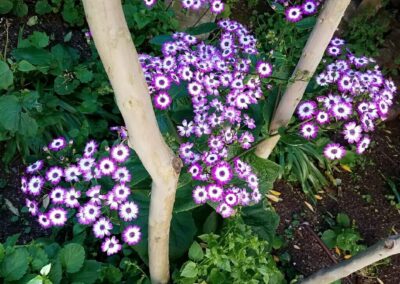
(183, 230)
(2, 252)
(184, 199)
(202, 29)
(15, 265)
(35, 56)
(161, 39)
(6, 76)
(27, 125)
(39, 39)
(20, 8)
(266, 170)
(263, 221)
(10, 112)
(196, 252)
(5, 6)
(329, 238)
(72, 257)
(306, 23)
(83, 74)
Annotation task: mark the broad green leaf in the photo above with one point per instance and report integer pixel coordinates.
(27, 125)
(184, 199)
(266, 170)
(15, 265)
(72, 257)
(10, 112)
(161, 39)
(39, 39)
(35, 56)
(5, 6)
(202, 28)
(56, 271)
(36, 280)
(196, 252)
(329, 238)
(25, 66)
(216, 276)
(88, 274)
(6, 76)
(263, 221)
(293, 139)
(39, 257)
(65, 86)
(183, 230)
(343, 220)
(83, 74)
(111, 274)
(306, 23)
(211, 223)
(190, 270)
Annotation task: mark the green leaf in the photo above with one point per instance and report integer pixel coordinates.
(39, 257)
(10, 112)
(39, 39)
(306, 23)
(55, 274)
(183, 230)
(88, 274)
(161, 39)
(293, 139)
(42, 7)
(329, 238)
(190, 270)
(216, 276)
(45, 269)
(65, 86)
(27, 125)
(20, 8)
(6, 76)
(263, 221)
(2, 252)
(5, 6)
(35, 56)
(211, 223)
(83, 74)
(202, 29)
(15, 265)
(72, 257)
(266, 170)
(184, 199)
(36, 280)
(25, 66)
(196, 252)
(343, 220)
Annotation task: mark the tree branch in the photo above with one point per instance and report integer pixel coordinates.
(377, 252)
(120, 59)
(327, 23)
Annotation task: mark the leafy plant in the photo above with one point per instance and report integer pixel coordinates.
(343, 236)
(44, 261)
(16, 7)
(235, 256)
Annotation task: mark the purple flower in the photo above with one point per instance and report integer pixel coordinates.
(57, 144)
(225, 210)
(57, 216)
(120, 153)
(54, 175)
(35, 167)
(264, 69)
(132, 235)
(334, 151)
(222, 173)
(102, 228)
(128, 211)
(309, 130)
(293, 14)
(111, 245)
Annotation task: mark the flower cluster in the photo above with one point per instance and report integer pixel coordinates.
(300, 9)
(222, 88)
(358, 97)
(87, 189)
(216, 6)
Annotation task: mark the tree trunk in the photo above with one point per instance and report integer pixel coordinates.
(313, 52)
(118, 54)
(373, 254)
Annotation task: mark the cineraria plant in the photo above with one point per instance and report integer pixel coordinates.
(299, 9)
(222, 85)
(91, 188)
(357, 97)
(216, 6)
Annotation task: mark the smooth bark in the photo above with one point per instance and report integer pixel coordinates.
(377, 252)
(120, 59)
(326, 25)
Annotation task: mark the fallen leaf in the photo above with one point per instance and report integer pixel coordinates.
(318, 197)
(273, 198)
(11, 207)
(309, 206)
(337, 250)
(274, 192)
(346, 168)
(347, 256)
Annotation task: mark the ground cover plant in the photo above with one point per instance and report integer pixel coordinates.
(144, 163)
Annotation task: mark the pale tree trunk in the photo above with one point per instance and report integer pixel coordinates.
(326, 25)
(377, 252)
(120, 59)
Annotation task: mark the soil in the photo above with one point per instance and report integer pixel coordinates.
(374, 216)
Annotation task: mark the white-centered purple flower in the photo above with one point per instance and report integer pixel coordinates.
(200, 195)
(57, 144)
(111, 246)
(35, 167)
(58, 216)
(102, 228)
(294, 14)
(309, 130)
(222, 173)
(132, 235)
(334, 151)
